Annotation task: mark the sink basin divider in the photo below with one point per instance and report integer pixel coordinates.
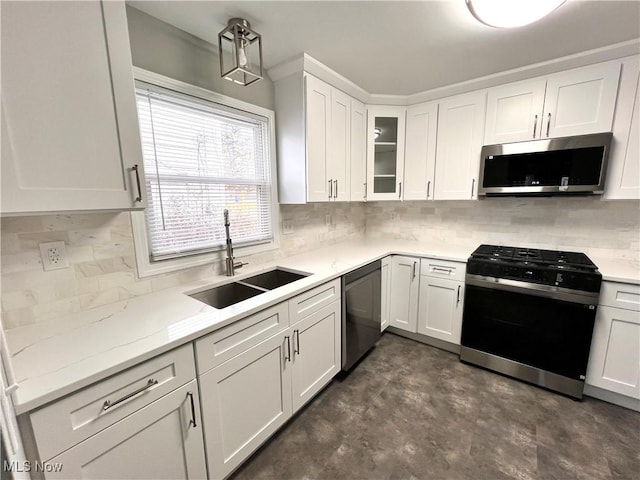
(252, 286)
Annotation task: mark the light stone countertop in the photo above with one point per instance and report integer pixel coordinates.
(56, 358)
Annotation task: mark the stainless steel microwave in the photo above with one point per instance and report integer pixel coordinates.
(553, 166)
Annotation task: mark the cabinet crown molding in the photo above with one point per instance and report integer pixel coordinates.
(307, 63)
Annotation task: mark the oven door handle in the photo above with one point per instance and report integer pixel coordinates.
(546, 291)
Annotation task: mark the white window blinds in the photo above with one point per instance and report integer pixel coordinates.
(201, 158)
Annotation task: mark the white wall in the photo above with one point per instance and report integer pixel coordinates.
(167, 50)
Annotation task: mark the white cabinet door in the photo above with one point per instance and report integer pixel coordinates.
(70, 135)
(581, 101)
(318, 116)
(403, 297)
(614, 360)
(315, 345)
(385, 275)
(440, 309)
(244, 401)
(420, 151)
(338, 160)
(161, 440)
(514, 112)
(358, 151)
(460, 134)
(385, 152)
(623, 175)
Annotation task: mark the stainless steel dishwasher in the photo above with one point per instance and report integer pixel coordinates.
(360, 312)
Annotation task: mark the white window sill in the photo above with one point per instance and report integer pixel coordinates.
(147, 268)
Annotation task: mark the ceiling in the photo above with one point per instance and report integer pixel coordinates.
(398, 47)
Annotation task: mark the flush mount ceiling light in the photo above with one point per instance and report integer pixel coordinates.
(240, 49)
(511, 13)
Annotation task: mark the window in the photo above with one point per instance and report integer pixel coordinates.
(200, 158)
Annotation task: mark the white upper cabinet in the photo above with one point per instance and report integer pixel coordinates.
(320, 135)
(70, 136)
(385, 152)
(514, 112)
(459, 141)
(358, 151)
(339, 160)
(623, 175)
(575, 102)
(318, 116)
(420, 151)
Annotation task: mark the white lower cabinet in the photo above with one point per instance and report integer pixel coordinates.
(403, 297)
(614, 359)
(160, 441)
(244, 401)
(440, 308)
(249, 397)
(385, 280)
(315, 354)
(426, 296)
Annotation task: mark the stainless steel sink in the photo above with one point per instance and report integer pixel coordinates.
(226, 295)
(231, 293)
(273, 278)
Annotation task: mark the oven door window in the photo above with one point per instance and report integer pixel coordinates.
(544, 333)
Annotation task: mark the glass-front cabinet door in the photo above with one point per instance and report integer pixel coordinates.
(385, 152)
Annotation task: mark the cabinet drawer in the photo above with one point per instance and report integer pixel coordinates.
(442, 269)
(219, 346)
(620, 295)
(313, 300)
(66, 422)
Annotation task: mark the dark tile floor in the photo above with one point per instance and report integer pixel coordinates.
(410, 411)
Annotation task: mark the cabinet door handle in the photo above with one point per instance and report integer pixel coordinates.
(335, 194)
(330, 189)
(428, 187)
(365, 190)
(458, 298)
(535, 126)
(296, 341)
(288, 356)
(548, 123)
(138, 199)
(193, 411)
(414, 269)
(400, 190)
(108, 403)
(473, 184)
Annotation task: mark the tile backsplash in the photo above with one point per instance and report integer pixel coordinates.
(586, 224)
(102, 258)
(102, 267)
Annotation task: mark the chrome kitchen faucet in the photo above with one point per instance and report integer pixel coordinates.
(230, 260)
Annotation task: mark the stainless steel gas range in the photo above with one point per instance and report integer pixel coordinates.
(529, 314)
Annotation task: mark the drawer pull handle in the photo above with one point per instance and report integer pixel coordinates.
(108, 403)
(193, 411)
(443, 270)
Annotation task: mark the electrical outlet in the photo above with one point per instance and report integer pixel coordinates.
(54, 256)
(287, 227)
(327, 219)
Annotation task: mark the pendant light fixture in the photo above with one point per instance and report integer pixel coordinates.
(511, 13)
(240, 51)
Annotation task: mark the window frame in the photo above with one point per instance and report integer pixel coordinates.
(145, 266)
